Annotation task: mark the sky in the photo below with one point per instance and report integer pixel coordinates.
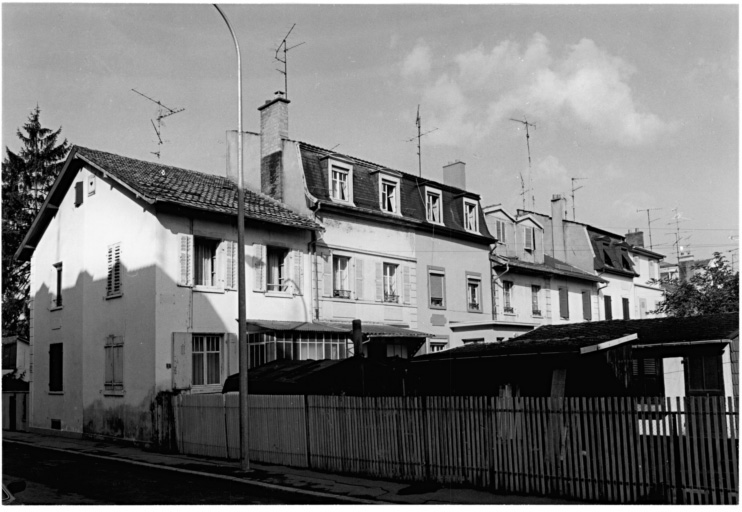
(641, 101)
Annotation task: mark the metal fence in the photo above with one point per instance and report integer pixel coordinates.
(616, 450)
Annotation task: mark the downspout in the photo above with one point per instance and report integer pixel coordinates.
(313, 245)
(598, 294)
(494, 279)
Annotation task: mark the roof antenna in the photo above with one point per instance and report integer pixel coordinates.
(419, 135)
(649, 223)
(573, 194)
(528, 146)
(285, 48)
(162, 112)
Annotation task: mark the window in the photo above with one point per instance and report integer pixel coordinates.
(471, 217)
(437, 288)
(113, 281)
(341, 288)
(205, 363)
(473, 296)
(507, 297)
(78, 193)
(653, 270)
(114, 349)
(437, 347)
(626, 262)
(564, 303)
(390, 283)
(56, 353)
(433, 206)
(647, 377)
(205, 262)
(277, 279)
(501, 237)
(57, 302)
(607, 257)
(293, 345)
(535, 307)
(626, 311)
(473, 340)
(341, 183)
(530, 238)
(389, 195)
(704, 375)
(587, 310)
(608, 307)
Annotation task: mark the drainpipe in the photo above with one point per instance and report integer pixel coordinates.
(598, 294)
(496, 278)
(313, 244)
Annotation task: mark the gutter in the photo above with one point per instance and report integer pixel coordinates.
(413, 360)
(681, 343)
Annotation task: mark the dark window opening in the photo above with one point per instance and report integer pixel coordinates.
(704, 375)
(608, 307)
(626, 310)
(55, 367)
(647, 378)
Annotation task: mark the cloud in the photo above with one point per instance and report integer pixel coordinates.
(585, 89)
(551, 168)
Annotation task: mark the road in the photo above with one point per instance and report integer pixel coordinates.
(54, 477)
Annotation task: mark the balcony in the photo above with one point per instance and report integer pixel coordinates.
(509, 310)
(536, 312)
(474, 306)
(341, 294)
(390, 297)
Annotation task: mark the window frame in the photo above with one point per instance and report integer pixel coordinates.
(474, 278)
(475, 206)
(527, 239)
(344, 168)
(57, 302)
(391, 298)
(500, 230)
(507, 297)
(385, 179)
(335, 289)
(438, 271)
(535, 300)
(205, 362)
(283, 287)
(198, 241)
(430, 192)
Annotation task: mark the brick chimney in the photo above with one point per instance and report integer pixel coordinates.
(636, 238)
(274, 128)
(454, 174)
(558, 204)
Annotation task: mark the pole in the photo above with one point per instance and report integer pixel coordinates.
(241, 298)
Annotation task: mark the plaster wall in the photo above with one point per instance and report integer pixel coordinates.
(618, 288)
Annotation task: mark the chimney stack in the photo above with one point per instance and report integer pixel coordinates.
(454, 174)
(558, 204)
(274, 128)
(636, 238)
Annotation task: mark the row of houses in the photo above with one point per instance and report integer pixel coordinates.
(134, 272)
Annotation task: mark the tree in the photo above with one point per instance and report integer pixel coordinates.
(713, 288)
(27, 178)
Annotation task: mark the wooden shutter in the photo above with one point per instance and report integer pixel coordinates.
(109, 363)
(118, 363)
(298, 261)
(587, 310)
(379, 281)
(228, 252)
(359, 278)
(528, 233)
(327, 275)
(233, 353)
(626, 310)
(608, 307)
(181, 360)
(259, 257)
(563, 303)
(185, 254)
(406, 284)
(113, 281)
(78, 193)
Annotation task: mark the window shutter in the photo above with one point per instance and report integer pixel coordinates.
(327, 275)
(406, 284)
(608, 307)
(359, 278)
(185, 245)
(230, 264)
(109, 362)
(233, 353)
(563, 303)
(181, 360)
(587, 310)
(258, 259)
(528, 233)
(118, 363)
(298, 272)
(78, 193)
(379, 282)
(626, 310)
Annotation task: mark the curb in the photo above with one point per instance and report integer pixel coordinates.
(318, 494)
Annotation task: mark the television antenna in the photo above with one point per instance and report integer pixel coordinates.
(574, 189)
(525, 122)
(418, 122)
(649, 223)
(162, 112)
(284, 47)
(677, 218)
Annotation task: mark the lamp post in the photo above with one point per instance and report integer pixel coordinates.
(241, 299)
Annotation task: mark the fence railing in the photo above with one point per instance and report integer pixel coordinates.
(617, 449)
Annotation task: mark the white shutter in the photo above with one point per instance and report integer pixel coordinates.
(181, 360)
(230, 264)
(528, 233)
(258, 259)
(406, 284)
(298, 264)
(379, 282)
(327, 275)
(359, 278)
(233, 354)
(185, 254)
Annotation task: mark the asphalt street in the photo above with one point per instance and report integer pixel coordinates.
(54, 477)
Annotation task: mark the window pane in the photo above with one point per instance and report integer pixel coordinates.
(197, 363)
(212, 368)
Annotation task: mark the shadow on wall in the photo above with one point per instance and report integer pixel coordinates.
(117, 400)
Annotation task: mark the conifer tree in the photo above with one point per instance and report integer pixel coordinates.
(27, 177)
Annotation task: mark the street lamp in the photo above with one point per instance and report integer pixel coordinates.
(241, 300)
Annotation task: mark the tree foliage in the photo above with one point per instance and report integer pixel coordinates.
(27, 177)
(713, 288)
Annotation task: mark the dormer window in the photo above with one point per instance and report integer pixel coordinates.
(389, 194)
(341, 182)
(471, 216)
(530, 238)
(433, 205)
(501, 232)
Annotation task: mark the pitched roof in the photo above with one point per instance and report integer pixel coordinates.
(551, 266)
(158, 183)
(570, 338)
(366, 192)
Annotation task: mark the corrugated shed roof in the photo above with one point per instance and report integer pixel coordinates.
(366, 190)
(571, 337)
(208, 192)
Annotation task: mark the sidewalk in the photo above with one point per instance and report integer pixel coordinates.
(353, 489)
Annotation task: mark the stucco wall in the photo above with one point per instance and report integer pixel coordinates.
(618, 288)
